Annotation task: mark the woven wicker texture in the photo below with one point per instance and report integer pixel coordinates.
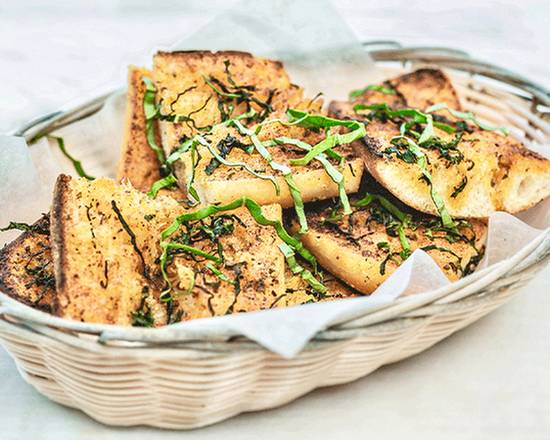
(193, 384)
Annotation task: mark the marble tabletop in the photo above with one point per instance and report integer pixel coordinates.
(488, 381)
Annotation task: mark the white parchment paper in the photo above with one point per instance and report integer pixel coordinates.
(321, 54)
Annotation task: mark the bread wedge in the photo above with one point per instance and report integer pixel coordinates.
(364, 248)
(186, 85)
(487, 172)
(251, 278)
(106, 250)
(26, 269)
(101, 274)
(185, 82)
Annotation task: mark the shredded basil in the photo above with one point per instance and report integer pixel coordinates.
(133, 239)
(283, 169)
(143, 316)
(26, 228)
(296, 269)
(253, 208)
(403, 219)
(76, 163)
(151, 111)
(220, 274)
(460, 187)
(422, 162)
(166, 182)
(336, 176)
(467, 116)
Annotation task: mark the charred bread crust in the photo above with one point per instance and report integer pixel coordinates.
(17, 256)
(58, 235)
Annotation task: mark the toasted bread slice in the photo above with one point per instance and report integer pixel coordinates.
(364, 248)
(138, 163)
(26, 269)
(101, 275)
(252, 276)
(495, 173)
(106, 251)
(186, 81)
(420, 89)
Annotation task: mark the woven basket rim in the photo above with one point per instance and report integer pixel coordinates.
(16, 315)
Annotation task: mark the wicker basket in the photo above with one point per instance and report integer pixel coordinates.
(188, 384)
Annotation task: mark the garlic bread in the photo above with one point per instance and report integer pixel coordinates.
(203, 88)
(107, 258)
(364, 248)
(104, 243)
(251, 277)
(26, 269)
(474, 170)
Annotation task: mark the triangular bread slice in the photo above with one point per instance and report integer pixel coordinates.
(362, 249)
(182, 81)
(106, 248)
(496, 173)
(185, 83)
(26, 269)
(421, 89)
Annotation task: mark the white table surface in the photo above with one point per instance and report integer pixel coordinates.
(490, 381)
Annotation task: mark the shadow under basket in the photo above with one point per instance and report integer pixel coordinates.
(184, 385)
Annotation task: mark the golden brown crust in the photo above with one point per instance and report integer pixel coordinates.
(58, 234)
(418, 89)
(497, 172)
(181, 81)
(103, 274)
(100, 276)
(357, 248)
(138, 162)
(26, 272)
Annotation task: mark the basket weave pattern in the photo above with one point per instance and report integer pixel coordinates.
(183, 386)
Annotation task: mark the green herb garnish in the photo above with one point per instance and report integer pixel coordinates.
(296, 269)
(467, 116)
(151, 111)
(26, 228)
(143, 316)
(422, 162)
(253, 208)
(460, 187)
(76, 163)
(166, 182)
(283, 169)
(133, 239)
